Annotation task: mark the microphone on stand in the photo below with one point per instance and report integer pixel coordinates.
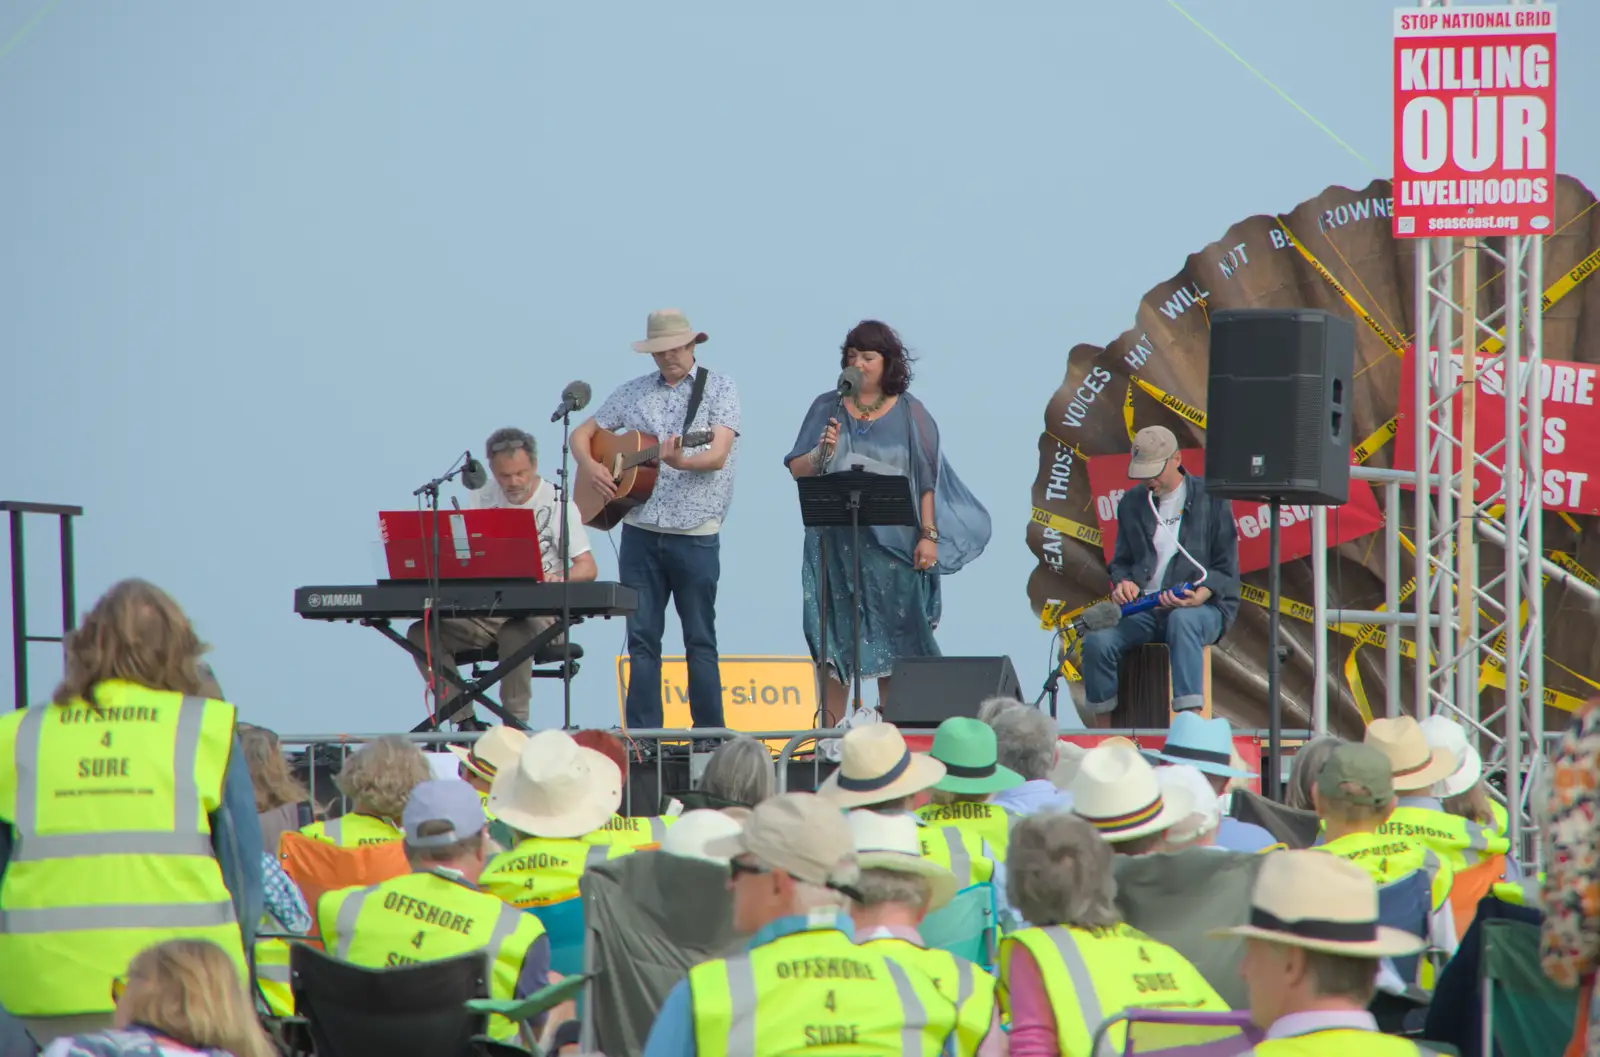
(1101, 616)
(575, 397)
(848, 385)
(473, 476)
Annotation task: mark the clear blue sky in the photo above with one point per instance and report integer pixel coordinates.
(269, 267)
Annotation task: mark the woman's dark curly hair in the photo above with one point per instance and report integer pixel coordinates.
(869, 335)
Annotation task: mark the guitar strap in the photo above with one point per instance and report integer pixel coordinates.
(695, 393)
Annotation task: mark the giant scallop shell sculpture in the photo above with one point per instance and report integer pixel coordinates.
(1255, 265)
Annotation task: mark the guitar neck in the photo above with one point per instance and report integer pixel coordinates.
(653, 452)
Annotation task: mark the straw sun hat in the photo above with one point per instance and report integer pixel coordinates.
(876, 766)
(1417, 765)
(1117, 793)
(1320, 902)
(558, 788)
(667, 329)
(495, 750)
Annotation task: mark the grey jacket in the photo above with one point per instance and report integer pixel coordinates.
(1207, 532)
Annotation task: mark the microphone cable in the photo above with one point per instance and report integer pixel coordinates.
(1150, 498)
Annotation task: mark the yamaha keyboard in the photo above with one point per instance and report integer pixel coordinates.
(402, 599)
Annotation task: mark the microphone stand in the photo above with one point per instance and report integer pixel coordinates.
(564, 511)
(430, 622)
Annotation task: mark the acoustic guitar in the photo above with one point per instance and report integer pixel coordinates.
(634, 461)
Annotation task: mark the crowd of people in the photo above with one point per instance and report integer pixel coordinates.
(160, 861)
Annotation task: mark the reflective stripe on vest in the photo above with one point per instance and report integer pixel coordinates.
(948, 847)
(362, 831)
(742, 991)
(987, 823)
(539, 871)
(1460, 841)
(1389, 858)
(956, 979)
(76, 906)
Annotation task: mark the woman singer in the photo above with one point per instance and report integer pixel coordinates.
(884, 429)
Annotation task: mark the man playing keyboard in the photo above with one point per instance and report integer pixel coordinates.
(1169, 532)
(513, 459)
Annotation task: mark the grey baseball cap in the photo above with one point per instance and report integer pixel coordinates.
(1152, 447)
(1356, 774)
(452, 801)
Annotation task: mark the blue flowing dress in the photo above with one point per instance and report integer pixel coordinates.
(900, 605)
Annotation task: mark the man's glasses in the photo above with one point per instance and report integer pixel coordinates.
(514, 444)
(737, 867)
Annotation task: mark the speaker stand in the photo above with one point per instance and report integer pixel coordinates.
(1271, 785)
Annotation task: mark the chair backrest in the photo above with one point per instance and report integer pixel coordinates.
(563, 924)
(1180, 1033)
(1469, 886)
(1405, 904)
(1527, 1013)
(415, 1010)
(965, 926)
(317, 866)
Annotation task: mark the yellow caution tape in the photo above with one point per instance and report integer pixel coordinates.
(1352, 667)
(1127, 410)
(1390, 340)
(1187, 410)
(1374, 443)
(1066, 526)
(1570, 564)
(1552, 294)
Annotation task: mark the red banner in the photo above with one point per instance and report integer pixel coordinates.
(1474, 121)
(1569, 391)
(1108, 477)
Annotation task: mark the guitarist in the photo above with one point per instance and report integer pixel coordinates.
(671, 544)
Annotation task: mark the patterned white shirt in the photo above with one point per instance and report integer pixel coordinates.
(683, 501)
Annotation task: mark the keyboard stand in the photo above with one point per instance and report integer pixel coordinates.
(471, 693)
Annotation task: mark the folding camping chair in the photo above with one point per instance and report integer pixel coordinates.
(1524, 1014)
(1175, 1033)
(965, 926)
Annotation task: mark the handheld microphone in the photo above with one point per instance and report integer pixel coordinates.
(473, 476)
(1098, 617)
(849, 382)
(575, 397)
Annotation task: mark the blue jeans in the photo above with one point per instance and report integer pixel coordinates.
(1186, 631)
(659, 564)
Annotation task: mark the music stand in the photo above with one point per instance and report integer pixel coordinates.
(854, 498)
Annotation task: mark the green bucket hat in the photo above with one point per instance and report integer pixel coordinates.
(967, 749)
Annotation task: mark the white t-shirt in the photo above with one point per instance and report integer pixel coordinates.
(544, 504)
(1169, 519)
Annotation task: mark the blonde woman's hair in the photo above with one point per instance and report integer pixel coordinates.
(379, 778)
(1472, 804)
(275, 784)
(190, 990)
(134, 632)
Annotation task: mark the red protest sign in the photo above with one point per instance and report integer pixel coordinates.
(1569, 392)
(1474, 120)
(1108, 478)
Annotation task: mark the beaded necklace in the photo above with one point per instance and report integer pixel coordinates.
(863, 424)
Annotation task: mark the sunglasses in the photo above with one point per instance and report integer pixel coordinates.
(514, 444)
(736, 868)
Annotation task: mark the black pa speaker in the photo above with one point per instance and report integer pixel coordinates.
(926, 691)
(1278, 405)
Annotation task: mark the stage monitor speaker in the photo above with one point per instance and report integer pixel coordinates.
(926, 691)
(1278, 405)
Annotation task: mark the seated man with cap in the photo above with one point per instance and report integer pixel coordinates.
(897, 889)
(801, 982)
(1207, 746)
(964, 833)
(1312, 947)
(558, 792)
(1354, 797)
(878, 772)
(1170, 531)
(1420, 816)
(438, 911)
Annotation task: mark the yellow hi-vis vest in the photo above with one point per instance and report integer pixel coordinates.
(632, 833)
(1523, 893)
(1502, 820)
(815, 992)
(1339, 1042)
(970, 988)
(544, 870)
(1388, 859)
(1459, 841)
(1092, 974)
(426, 917)
(989, 822)
(958, 850)
(353, 831)
(111, 841)
(272, 970)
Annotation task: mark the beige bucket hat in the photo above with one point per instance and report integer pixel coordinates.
(875, 765)
(1417, 765)
(557, 789)
(891, 842)
(496, 750)
(1323, 903)
(668, 328)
